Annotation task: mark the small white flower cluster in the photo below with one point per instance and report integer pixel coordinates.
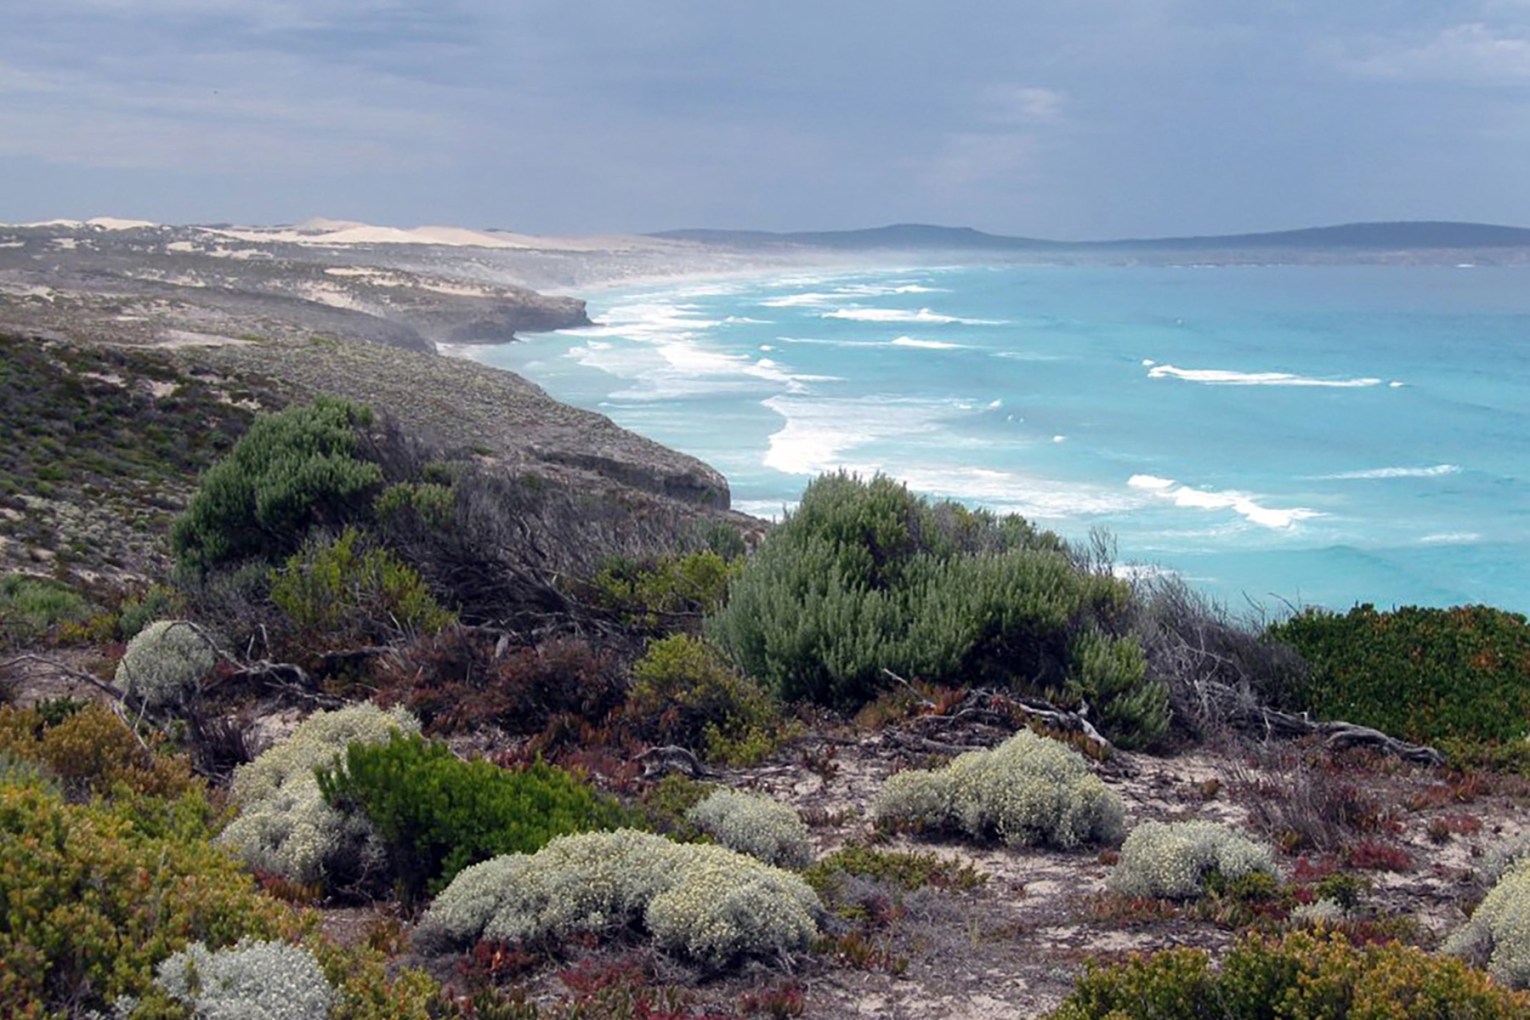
(1172, 859)
(248, 981)
(164, 663)
(284, 825)
(757, 826)
(1028, 791)
(706, 902)
(1498, 933)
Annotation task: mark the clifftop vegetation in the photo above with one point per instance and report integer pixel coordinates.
(414, 729)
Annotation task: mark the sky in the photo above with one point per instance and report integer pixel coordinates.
(1069, 119)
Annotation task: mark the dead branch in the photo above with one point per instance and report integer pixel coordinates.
(73, 674)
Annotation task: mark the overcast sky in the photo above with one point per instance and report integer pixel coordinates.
(1071, 119)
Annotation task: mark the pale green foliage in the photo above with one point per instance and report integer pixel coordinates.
(705, 902)
(248, 981)
(1172, 859)
(1498, 934)
(757, 826)
(164, 663)
(1027, 791)
(284, 825)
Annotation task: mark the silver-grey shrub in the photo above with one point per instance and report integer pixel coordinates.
(757, 826)
(284, 826)
(704, 902)
(248, 981)
(1171, 860)
(164, 663)
(1028, 791)
(1497, 936)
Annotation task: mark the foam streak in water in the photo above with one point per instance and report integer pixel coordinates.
(1241, 503)
(1226, 377)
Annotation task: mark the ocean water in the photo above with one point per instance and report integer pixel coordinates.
(1278, 435)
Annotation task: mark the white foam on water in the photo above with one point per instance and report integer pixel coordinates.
(1032, 496)
(1241, 503)
(1227, 377)
(932, 345)
(808, 300)
(819, 432)
(1434, 471)
(1451, 538)
(857, 313)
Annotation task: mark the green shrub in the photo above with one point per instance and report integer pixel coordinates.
(1173, 860)
(415, 504)
(757, 826)
(291, 471)
(1497, 935)
(683, 693)
(92, 903)
(863, 578)
(164, 664)
(908, 872)
(1028, 791)
(31, 607)
(284, 826)
(1302, 976)
(704, 902)
(669, 594)
(436, 814)
(250, 980)
(338, 591)
(1420, 674)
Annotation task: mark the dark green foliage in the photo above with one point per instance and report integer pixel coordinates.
(1420, 674)
(427, 505)
(909, 872)
(865, 577)
(1299, 977)
(291, 472)
(338, 591)
(138, 611)
(437, 814)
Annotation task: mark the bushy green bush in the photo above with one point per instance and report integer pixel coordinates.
(1420, 674)
(291, 471)
(339, 590)
(92, 902)
(1028, 791)
(164, 664)
(683, 693)
(31, 606)
(757, 826)
(136, 612)
(436, 814)
(284, 826)
(1302, 976)
(704, 902)
(668, 594)
(864, 577)
(1497, 936)
(250, 980)
(1172, 860)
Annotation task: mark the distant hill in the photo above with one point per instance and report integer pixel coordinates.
(1355, 236)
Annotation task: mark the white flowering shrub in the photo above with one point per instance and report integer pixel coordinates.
(757, 826)
(1171, 860)
(248, 981)
(1028, 791)
(284, 826)
(705, 902)
(164, 663)
(1497, 936)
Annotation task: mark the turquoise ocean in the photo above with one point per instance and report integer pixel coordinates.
(1277, 435)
